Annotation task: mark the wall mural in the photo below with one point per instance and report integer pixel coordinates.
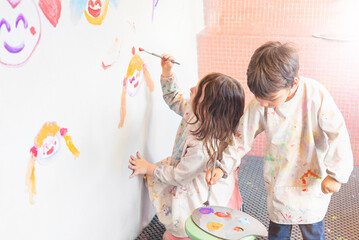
(46, 145)
(20, 28)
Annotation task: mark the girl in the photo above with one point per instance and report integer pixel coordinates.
(177, 184)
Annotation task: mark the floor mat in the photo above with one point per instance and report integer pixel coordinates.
(341, 220)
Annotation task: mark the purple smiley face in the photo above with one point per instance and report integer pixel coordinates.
(20, 31)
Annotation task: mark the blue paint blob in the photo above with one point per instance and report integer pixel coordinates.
(243, 220)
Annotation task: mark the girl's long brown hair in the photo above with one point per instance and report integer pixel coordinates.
(218, 112)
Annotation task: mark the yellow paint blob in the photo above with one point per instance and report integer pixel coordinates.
(214, 226)
(136, 63)
(48, 129)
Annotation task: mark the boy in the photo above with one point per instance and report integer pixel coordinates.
(307, 148)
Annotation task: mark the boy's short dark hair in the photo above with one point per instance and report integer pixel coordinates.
(273, 67)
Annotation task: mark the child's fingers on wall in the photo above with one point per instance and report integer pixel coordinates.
(133, 174)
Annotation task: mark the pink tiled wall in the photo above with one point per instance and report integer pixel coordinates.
(234, 29)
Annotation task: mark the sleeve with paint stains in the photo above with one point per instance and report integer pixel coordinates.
(172, 96)
(230, 161)
(250, 125)
(339, 157)
(191, 164)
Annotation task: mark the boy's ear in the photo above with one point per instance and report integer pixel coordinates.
(295, 83)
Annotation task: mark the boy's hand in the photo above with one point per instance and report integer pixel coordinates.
(330, 185)
(167, 65)
(140, 166)
(218, 174)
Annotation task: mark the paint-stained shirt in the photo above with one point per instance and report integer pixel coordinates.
(306, 140)
(178, 186)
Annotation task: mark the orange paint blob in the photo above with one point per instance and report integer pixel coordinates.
(71, 146)
(238, 229)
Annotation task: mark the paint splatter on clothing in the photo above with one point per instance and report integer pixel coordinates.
(306, 140)
(179, 185)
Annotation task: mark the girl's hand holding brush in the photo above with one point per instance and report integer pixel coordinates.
(218, 174)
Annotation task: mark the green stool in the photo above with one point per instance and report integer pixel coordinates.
(195, 233)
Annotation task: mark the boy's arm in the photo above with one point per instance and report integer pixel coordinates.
(250, 125)
(339, 157)
(172, 96)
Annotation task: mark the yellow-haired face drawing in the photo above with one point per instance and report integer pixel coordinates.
(136, 72)
(46, 145)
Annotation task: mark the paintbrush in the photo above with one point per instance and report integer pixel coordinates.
(206, 203)
(222, 146)
(154, 54)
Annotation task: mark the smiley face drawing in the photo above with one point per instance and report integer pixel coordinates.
(96, 11)
(50, 146)
(46, 145)
(20, 31)
(134, 81)
(136, 73)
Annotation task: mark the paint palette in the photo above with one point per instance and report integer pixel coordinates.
(227, 223)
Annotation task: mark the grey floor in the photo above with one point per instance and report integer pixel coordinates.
(341, 220)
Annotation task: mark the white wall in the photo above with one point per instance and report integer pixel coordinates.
(90, 197)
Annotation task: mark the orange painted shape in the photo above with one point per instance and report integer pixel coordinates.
(238, 229)
(307, 174)
(30, 179)
(71, 146)
(214, 226)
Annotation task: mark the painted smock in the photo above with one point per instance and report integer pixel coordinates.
(178, 186)
(306, 140)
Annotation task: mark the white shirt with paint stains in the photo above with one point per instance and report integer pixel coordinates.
(306, 140)
(178, 186)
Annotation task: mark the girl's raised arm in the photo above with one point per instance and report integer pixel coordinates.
(171, 94)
